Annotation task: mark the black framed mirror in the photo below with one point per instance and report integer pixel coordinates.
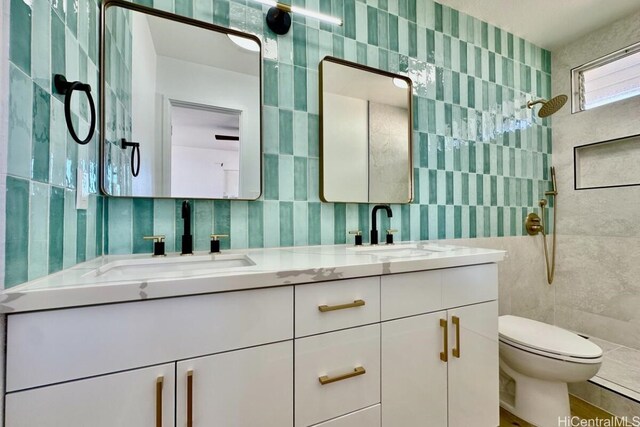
(185, 97)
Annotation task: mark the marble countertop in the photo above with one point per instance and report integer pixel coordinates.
(99, 282)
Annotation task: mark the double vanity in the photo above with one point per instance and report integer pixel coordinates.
(332, 336)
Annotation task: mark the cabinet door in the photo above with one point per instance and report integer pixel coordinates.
(250, 387)
(368, 417)
(473, 370)
(143, 397)
(414, 378)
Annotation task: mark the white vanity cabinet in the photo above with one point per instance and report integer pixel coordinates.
(142, 397)
(440, 368)
(87, 366)
(249, 387)
(394, 350)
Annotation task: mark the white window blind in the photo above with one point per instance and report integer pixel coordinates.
(610, 79)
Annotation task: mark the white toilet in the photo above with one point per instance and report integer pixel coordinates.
(542, 359)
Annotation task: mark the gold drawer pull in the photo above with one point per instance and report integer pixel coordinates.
(190, 398)
(456, 350)
(356, 303)
(444, 355)
(325, 379)
(159, 385)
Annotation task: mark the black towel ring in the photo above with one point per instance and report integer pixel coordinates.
(66, 88)
(135, 155)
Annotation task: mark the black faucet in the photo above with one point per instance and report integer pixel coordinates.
(187, 239)
(374, 227)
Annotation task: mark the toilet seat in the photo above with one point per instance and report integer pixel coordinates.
(547, 340)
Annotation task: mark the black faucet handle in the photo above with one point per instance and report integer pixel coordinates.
(358, 236)
(158, 244)
(215, 242)
(390, 236)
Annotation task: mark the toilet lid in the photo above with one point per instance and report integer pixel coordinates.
(546, 338)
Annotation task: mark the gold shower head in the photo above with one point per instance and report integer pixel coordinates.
(549, 107)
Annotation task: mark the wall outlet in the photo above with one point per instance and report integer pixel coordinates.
(82, 189)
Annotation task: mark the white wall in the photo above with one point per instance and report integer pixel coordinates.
(143, 90)
(199, 172)
(597, 287)
(199, 84)
(346, 149)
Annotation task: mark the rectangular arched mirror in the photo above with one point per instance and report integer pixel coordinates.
(181, 107)
(366, 134)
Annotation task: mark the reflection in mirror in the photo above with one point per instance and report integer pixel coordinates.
(366, 134)
(190, 94)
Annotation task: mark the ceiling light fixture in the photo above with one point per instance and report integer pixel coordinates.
(279, 18)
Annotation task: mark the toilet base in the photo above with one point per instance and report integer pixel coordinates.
(539, 402)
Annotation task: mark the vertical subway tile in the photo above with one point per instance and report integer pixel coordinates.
(339, 222)
(314, 223)
(286, 178)
(56, 229)
(256, 224)
(286, 131)
(20, 123)
(271, 223)
(40, 44)
(202, 224)
(271, 177)
(238, 236)
(16, 232)
(120, 229)
(81, 235)
(58, 47)
(300, 178)
(300, 88)
(270, 84)
(142, 216)
(20, 35)
(286, 223)
(222, 220)
(38, 230)
(40, 134)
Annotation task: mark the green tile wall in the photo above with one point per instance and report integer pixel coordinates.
(480, 158)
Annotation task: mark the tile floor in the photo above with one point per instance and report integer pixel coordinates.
(579, 408)
(620, 369)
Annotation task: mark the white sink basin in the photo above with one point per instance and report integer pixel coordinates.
(400, 250)
(174, 266)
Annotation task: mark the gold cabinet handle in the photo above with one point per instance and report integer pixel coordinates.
(444, 355)
(159, 386)
(356, 303)
(456, 350)
(325, 379)
(190, 398)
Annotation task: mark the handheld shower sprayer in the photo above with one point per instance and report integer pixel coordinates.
(536, 224)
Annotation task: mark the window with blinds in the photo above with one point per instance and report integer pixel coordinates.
(609, 79)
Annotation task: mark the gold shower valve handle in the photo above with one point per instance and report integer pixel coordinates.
(533, 224)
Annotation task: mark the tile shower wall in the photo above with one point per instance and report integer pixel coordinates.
(480, 157)
(597, 288)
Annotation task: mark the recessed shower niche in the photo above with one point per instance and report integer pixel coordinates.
(612, 163)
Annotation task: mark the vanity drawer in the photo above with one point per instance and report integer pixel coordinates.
(54, 346)
(410, 294)
(369, 417)
(469, 285)
(329, 306)
(330, 357)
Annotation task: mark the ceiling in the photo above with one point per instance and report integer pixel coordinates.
(194, 44)
(547, 23)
